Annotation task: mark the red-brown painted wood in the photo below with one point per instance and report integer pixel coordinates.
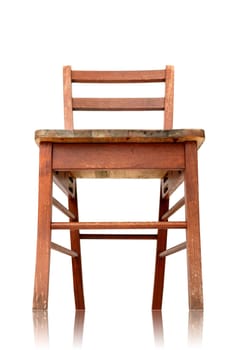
(76, 261)
(169, 96)
(118, 104)
(117, 236)
(118, 225)
(160, 262)
(67, 93)
(193, 228)
(118, 156)
(148, 76)
(41, 286)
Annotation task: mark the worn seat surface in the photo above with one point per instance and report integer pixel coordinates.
(109, 136)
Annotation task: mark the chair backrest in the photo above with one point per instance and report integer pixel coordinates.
(164, 103)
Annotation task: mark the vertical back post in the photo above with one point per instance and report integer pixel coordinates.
(67, 90)
(169, 96)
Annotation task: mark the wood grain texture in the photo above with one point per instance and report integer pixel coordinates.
(173, 250)
(169, 97)
(193, 228)
(143, 76)
(63, 209)
(119, 173)
(76, 246)
(65, 182)
(173, 209)
(171, 182)
(119, 136)
(67, 94)
(118, 104)
(69, 157)
(63, 250)
(117, 225)
(159, 273)
(41, 284)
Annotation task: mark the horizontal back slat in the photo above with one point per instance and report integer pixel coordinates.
(147, 76)
(118, 104)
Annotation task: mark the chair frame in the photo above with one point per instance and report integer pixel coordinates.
(168, 154)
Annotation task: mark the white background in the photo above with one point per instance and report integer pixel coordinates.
(37, 39)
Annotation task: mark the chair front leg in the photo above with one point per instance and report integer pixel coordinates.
(41, 285)
(193, 228)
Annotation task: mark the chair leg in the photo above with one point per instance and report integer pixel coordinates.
(76, 261)
(41, 285)
(193, 228)
(160, 262)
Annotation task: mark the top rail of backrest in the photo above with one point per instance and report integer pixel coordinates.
(144, 76)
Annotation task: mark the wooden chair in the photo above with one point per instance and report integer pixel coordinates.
(169, 155)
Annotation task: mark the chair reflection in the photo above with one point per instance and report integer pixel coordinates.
(78, 328)
(157, 321)
(195, 328)
(41, 328)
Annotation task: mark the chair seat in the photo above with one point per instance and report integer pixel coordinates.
(120, 136)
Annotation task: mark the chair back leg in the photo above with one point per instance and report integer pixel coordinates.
(160, 261)
(76, 261)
